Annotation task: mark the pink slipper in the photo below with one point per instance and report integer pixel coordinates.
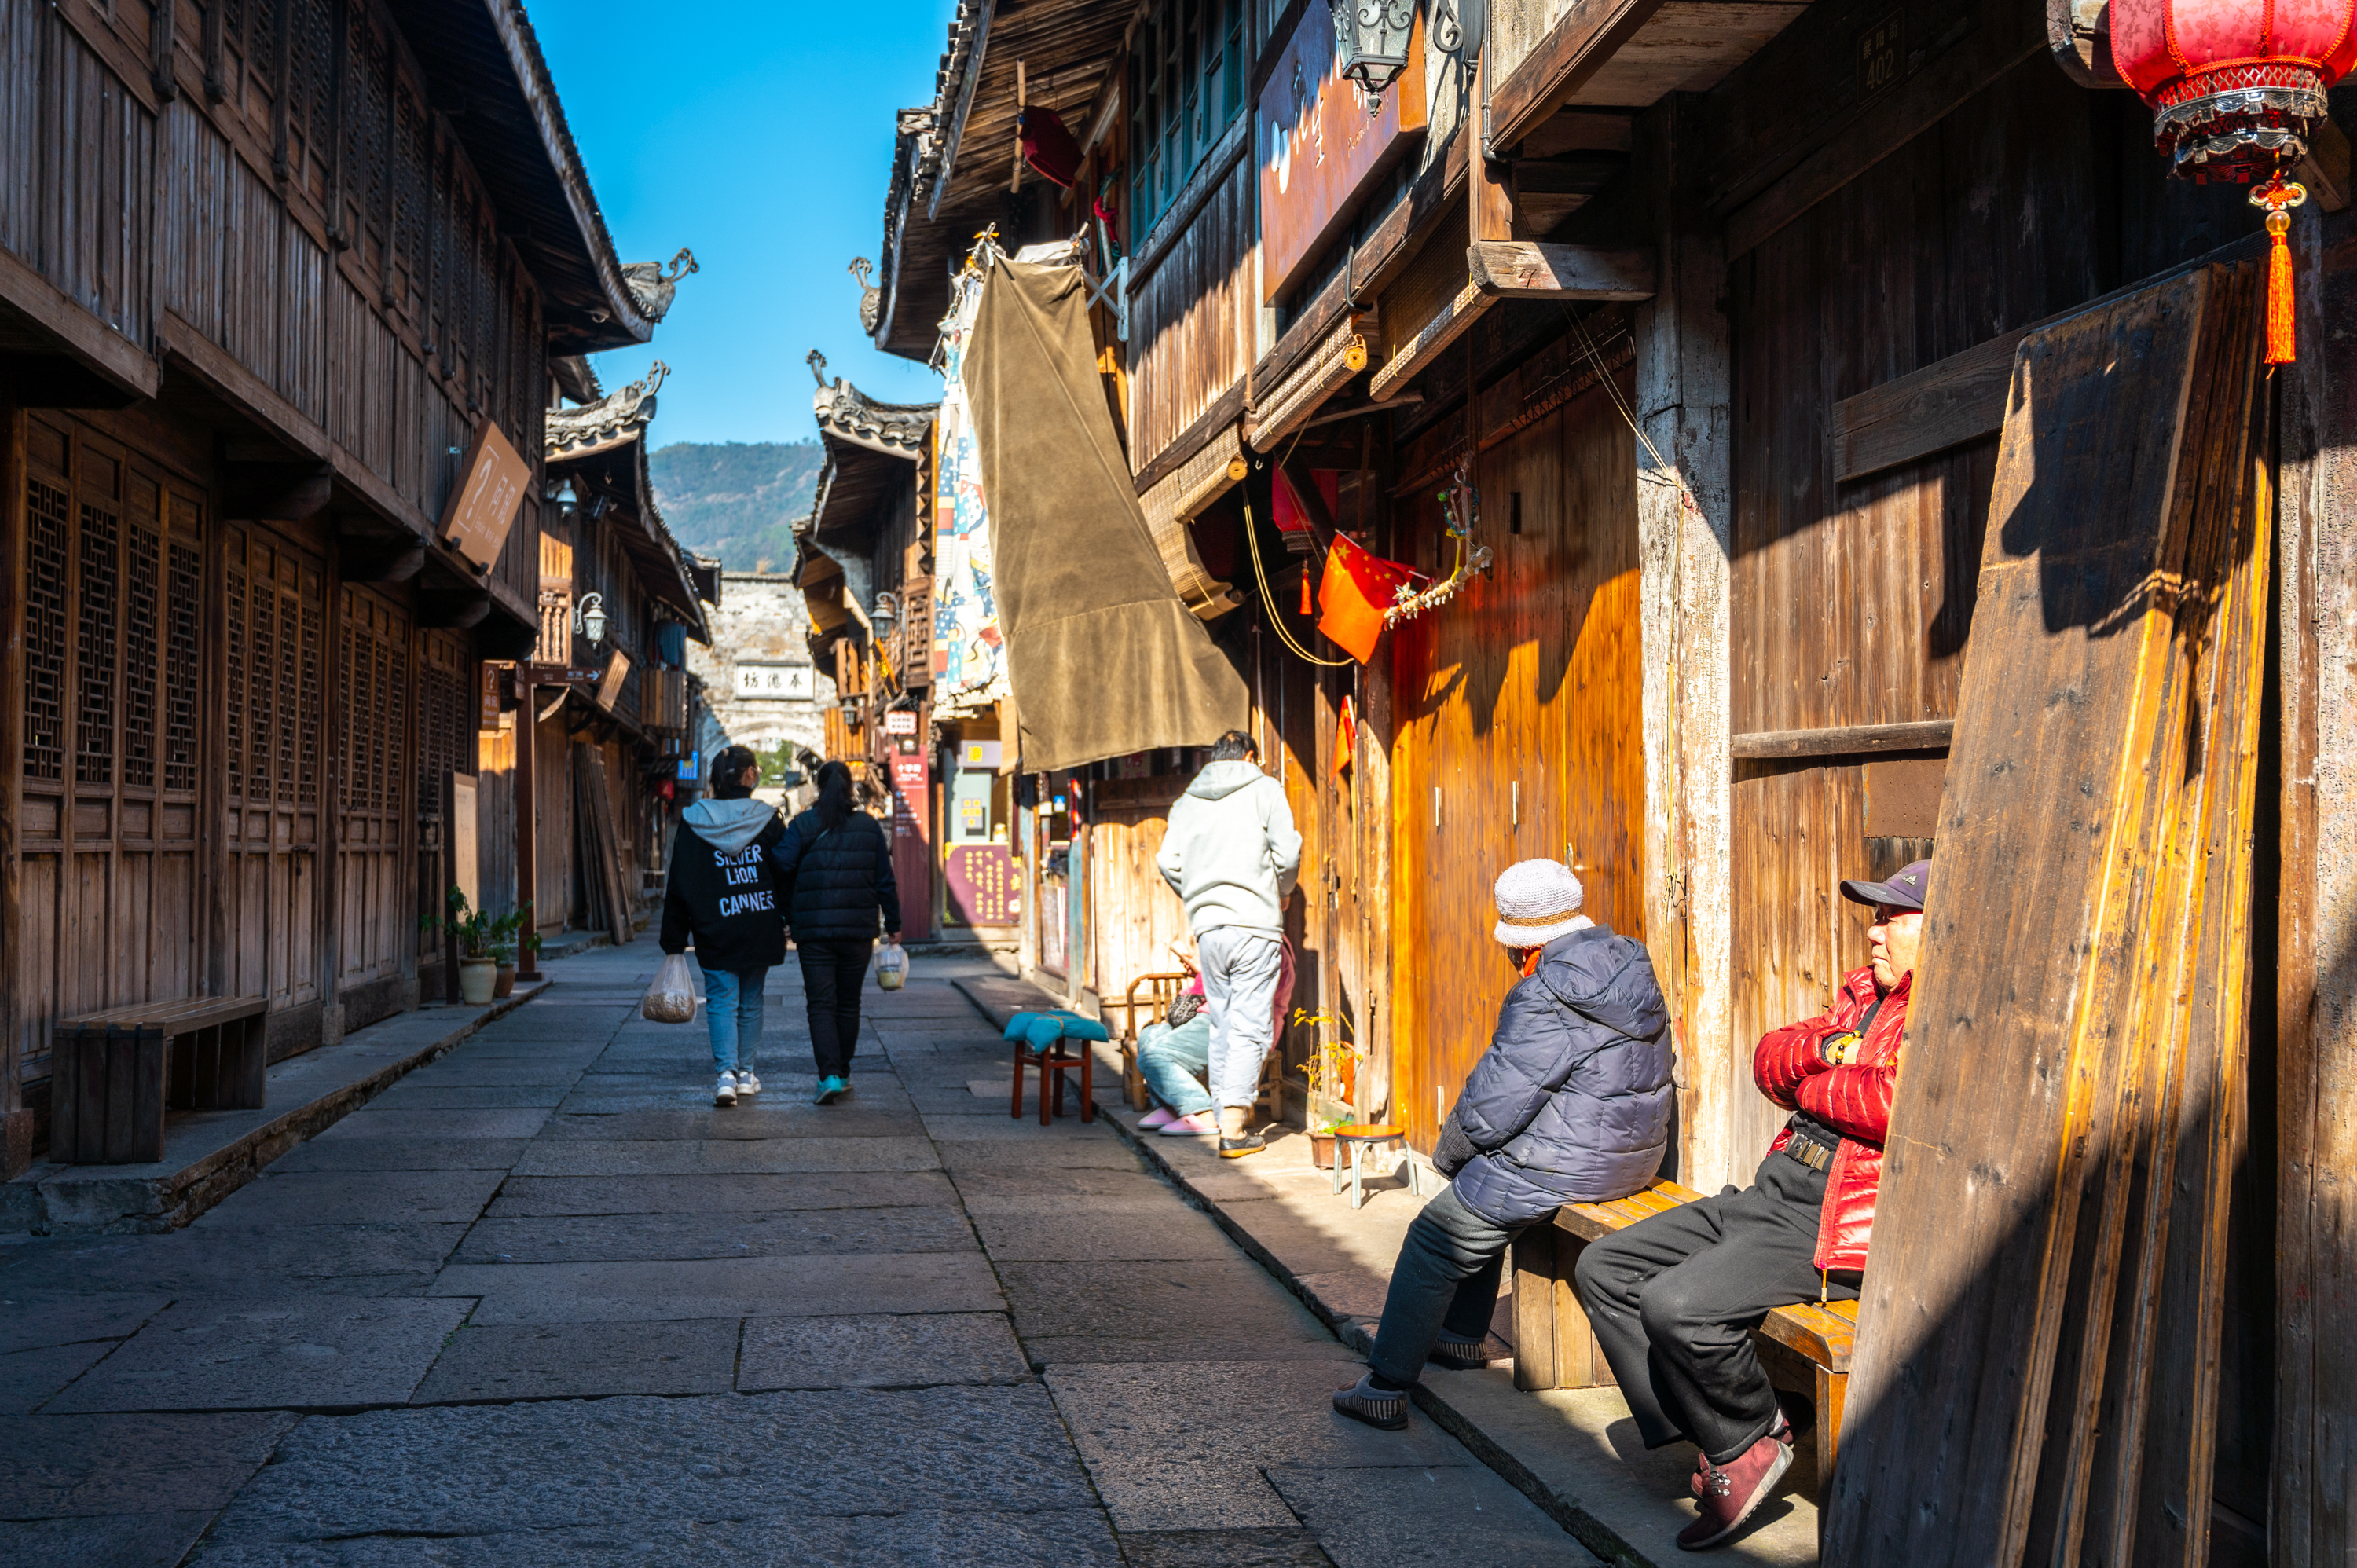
(1202, 1125)
(1160, 1116)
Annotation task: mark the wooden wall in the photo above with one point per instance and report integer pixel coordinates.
(1193, 316)
(1851, 603)
(1517, 732)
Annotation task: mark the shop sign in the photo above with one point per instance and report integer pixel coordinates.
(781, 681)
(901, 721)
(980, 755)
(483, 503)
(1319, 149)
(490, 684)
(983, 884)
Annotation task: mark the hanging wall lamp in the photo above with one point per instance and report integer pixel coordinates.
(589, 621)
(1373, 36)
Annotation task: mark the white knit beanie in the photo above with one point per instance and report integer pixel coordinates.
(1538, 900)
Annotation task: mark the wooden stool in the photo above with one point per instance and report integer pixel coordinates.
(1161, 991)
(1040, 1040)
(1355, 1139)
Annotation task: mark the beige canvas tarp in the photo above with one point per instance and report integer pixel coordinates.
(1104, 657)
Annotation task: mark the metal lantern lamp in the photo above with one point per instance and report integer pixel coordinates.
(2236, 86)
(885, 616)
(563, 494)
(591, 620)
(1373, 36)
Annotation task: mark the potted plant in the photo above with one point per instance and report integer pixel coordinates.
(478, 965)
(1332, 1071)
(503, 941)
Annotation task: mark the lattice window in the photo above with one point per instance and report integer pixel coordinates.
(410, 152)
(183, 666)
(290, 704)
(233, 727)
(263, 701)
(311, 75)
(367, 163)
(392, 729)
(96, 650)
(306, 779)
(142, 620)
(49, 576)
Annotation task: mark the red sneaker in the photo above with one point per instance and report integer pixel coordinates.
(1727, 1494)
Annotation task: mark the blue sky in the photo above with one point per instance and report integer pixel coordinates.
(759, 135)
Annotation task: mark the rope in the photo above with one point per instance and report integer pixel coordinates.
(1268, 601)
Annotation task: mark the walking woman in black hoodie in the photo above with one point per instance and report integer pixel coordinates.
(836, 866)
(723, 892)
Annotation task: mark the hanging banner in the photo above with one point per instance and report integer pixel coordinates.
(969, 651)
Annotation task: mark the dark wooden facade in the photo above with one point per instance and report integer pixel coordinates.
(257, 293)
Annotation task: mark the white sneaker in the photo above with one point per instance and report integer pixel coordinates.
(725, 1094)
(746, 1082)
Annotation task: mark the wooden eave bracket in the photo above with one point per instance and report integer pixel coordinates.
(1579, 45)
(1532, 269)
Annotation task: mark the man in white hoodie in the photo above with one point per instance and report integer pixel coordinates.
(1232, 856)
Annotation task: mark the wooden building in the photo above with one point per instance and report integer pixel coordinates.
(267, 299)
(1699, 322)
(863, 563)
(619, 601)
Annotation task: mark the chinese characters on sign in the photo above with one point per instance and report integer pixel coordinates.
(984, 884)
(901, 721)
(775, 680)
(491, 673)
(909, 795)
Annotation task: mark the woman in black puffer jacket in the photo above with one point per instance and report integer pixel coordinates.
(1569, 1104)
(836, 863)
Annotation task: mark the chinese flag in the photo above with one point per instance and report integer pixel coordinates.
(1351, 598)
(1346, 737)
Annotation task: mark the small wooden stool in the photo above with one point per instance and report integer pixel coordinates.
(1040, 1040)
(1355, 1139)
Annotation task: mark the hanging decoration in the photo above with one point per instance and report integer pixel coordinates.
(2236, 86)
(1355, 595)
(1460, 505)
(1346, 737)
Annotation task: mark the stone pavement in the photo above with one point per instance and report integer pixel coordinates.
(540, 1303)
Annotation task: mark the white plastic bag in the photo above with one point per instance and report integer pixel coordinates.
(671, 998)
(891, 966)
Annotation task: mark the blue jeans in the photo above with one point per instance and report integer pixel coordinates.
(732, 1011)
(1172, 1061)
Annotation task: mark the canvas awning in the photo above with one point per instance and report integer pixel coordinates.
(1105, 658)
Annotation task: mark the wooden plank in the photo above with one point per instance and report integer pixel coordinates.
(106, 351)
(1530, 269)
(1209, 426)
(1534, 1280)
(1412, 357)
(1588, 35)
(1844, 740)
(1945, 404)
(2024, 1208)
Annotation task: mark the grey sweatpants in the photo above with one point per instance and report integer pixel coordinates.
(1241, 972)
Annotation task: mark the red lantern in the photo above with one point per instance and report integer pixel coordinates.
(2234, 85)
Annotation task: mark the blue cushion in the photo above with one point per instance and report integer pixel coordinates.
(1017, 1025)
(1044, 1030)
(1078, 1029)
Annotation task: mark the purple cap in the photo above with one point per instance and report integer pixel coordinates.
(1904, 888)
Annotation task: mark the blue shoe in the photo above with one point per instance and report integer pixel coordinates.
(828, 1089)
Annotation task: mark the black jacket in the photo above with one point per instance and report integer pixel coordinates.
(837, 882)
(730, 902)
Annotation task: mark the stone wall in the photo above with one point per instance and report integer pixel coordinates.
(761, 622)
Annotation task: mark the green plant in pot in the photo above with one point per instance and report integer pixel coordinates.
(478, 963)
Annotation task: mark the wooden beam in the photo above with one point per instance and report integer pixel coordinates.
(1529, 269)
(1844, 740)
(1935, 91)
(2324, 170)
(1590, 33)
(1945, 404)
(1225, 410)
(108, 353)
(1418, 352)
(277, 492)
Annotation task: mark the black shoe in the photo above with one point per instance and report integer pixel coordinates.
(1237, 1148)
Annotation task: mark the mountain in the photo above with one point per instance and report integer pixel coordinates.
(737, 500)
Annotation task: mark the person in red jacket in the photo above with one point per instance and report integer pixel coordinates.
(1673, 1298)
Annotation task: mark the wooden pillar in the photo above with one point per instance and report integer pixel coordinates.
(1685, 526)
(527, 814)
(2314, 1509)
(17, 1151)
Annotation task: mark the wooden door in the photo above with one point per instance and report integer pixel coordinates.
(1517, 734)
(114, 650)
(448, 710)
(375, 879)
(275, 614)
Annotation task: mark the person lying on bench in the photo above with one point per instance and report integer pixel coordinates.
(1673, 1298)
(1570, 1104)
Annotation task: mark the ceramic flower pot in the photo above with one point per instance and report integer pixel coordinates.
(479, 978)
(505, 984)
(1321, 1150)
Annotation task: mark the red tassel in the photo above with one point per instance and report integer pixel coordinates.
(2276, 197)
(1308, 609)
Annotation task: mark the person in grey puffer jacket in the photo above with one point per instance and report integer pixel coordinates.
(1570, 1104)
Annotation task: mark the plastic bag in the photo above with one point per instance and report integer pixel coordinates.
(671, 998)
(891, 966)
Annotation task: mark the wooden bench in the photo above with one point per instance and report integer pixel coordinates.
(114, 1074)
(1161, 991)
(1805, 1349)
